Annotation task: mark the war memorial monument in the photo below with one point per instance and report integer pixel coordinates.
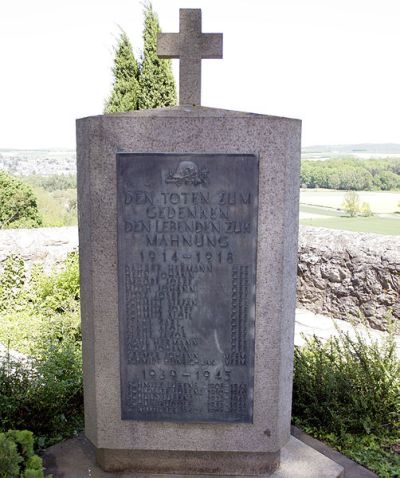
(188, 224)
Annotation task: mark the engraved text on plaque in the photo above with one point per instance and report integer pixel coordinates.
(187, 236)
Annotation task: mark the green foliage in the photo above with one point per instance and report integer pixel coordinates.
(17, 459)
(149, 84)
(56, 198)
(56, 182)
(125, 92)
(351, 174)
(9, 458)
(351, 203)
(45, 393)
(157, 84)
(59, 291)
(347, 392)
(353, 206)
(18, 205)
(12, 281)
(58, 208)
(365, 210)
(375, 452)
(387, 181)
(346, 384)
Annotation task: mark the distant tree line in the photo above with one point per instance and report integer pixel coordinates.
(55, 182)
(352, 174)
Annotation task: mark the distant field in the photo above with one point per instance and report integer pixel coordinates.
(375, 224)
(323, 208)
(381, 202)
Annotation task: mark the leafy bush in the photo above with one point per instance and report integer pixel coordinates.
(59, 291)
(12, 281)
(365, 210)
(351, 203)
(347, 392)
(41, 319)
(58, 208)
(18, 205)
(46, 394)
(345, 384)
(17, 459)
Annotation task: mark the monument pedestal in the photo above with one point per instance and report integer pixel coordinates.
(188, 342)
(76, 459)
(188, 462)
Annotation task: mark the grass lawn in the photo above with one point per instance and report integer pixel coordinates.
(374, 224)
(322, 208)
(316, 210)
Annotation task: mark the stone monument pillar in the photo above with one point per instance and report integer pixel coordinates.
(188, 220)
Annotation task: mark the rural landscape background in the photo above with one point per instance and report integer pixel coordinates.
(328, 173)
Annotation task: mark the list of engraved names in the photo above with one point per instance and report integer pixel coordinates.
(187, 235)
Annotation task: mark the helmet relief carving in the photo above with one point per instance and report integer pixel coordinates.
(187, 173)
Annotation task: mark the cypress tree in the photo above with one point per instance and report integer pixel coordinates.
(125, 91)
(157, 83)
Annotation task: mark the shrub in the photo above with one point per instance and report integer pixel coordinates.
(365, 210)
(17, 459)
(45, 393)
(346, 384)
(12, 281)
(18, 205)
(351, 203)
(9, 458)
(347, 393)
(58, 291)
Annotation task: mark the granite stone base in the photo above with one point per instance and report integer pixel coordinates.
(188, 462)
(76, 458)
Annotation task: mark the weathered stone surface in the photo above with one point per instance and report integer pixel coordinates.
(190, 45)
(349, 275)
(276, 141)
(75, 458)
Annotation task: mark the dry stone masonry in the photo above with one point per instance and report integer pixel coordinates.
(340, 274)
(349, 275)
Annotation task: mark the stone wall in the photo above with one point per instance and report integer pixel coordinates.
(47, 246)
(349, 275)
(340, 274)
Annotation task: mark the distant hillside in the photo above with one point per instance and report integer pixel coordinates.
(48, 162)
(383, 149)
(41, 162)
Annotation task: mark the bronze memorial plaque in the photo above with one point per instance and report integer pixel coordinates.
(187, 238)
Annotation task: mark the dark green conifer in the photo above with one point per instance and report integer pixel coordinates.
(157, 83)
(125, 91)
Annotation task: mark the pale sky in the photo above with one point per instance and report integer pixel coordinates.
(335, 64)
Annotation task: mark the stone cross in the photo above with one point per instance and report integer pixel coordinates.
(190, 45)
